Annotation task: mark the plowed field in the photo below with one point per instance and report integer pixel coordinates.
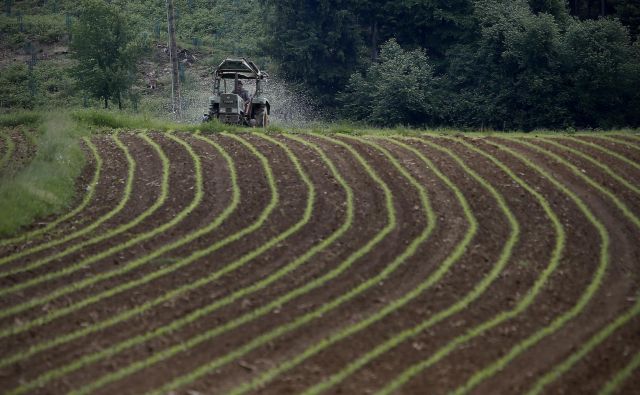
(276, 264)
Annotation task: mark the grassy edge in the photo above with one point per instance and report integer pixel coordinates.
(103, 121)
(46, 185)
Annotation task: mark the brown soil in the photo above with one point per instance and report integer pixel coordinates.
(108, 192)
(529, 258)
(23, 153)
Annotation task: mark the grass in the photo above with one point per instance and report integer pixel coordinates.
(79, 233)
(197, 199)
(103, 121)
(47, 184)
(18, 118)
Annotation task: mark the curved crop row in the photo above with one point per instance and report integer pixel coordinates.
(127, 314)
(160, 201)
(596, 163)
(85, 230)
(75, 286)
(619, 379)
(584, 299)
(607, 151)
(354, 328)
(631, 141)
(91, 188)
(349, 330)
(404, 158)
(206, 310)
(459, 306)
(633, 136)
(36, 348)
(315, 283)
(561, 368)
(500, 318)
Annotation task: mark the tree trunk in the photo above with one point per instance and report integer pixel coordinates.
(106, 102)
(602, 8)
(173, 55)
(374, 41)
(119, 102)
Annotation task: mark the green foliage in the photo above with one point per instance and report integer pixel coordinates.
(316, 44)
(435, 25)
(603, 73)
(629, 13)
(44, 29)
(49, 85)
(46, 185)
(18, 118)
(398, 89)
(557, 8)
(106, 51)
(14, 87)
(528, 66)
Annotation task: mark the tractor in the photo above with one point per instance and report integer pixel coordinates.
(230, 103)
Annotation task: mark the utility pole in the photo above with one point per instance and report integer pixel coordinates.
(176, 99)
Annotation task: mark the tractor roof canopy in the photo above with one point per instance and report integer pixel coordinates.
(245, 69)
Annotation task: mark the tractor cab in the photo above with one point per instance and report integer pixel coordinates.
(230, 102)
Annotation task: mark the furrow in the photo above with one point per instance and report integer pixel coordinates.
(160, 201)
(85, 230)
(585, 298)
(123, 316)
(260, 381)
(586, 348)
(596, 163)
(317, 282)
(617, 382)
(199, 313)
(75, 286)
(83, 204)
(600, 148)
(472, 333)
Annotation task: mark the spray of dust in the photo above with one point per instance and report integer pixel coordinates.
(289, 109)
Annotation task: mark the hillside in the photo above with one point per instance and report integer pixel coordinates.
(35, 59)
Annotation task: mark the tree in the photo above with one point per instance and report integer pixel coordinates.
(105, 50)
(557, 8)
(316, 43)
(397, 89)
(602, 73)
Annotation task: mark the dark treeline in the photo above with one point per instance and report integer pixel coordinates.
(503, 64)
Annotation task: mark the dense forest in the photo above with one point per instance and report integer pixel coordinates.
(499, 64)
(506, 64)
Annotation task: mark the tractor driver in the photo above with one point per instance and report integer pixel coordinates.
(244, 94)
(240, 91)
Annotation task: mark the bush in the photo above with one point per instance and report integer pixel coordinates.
(14, 87)
(398, 89)
(602, 72)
